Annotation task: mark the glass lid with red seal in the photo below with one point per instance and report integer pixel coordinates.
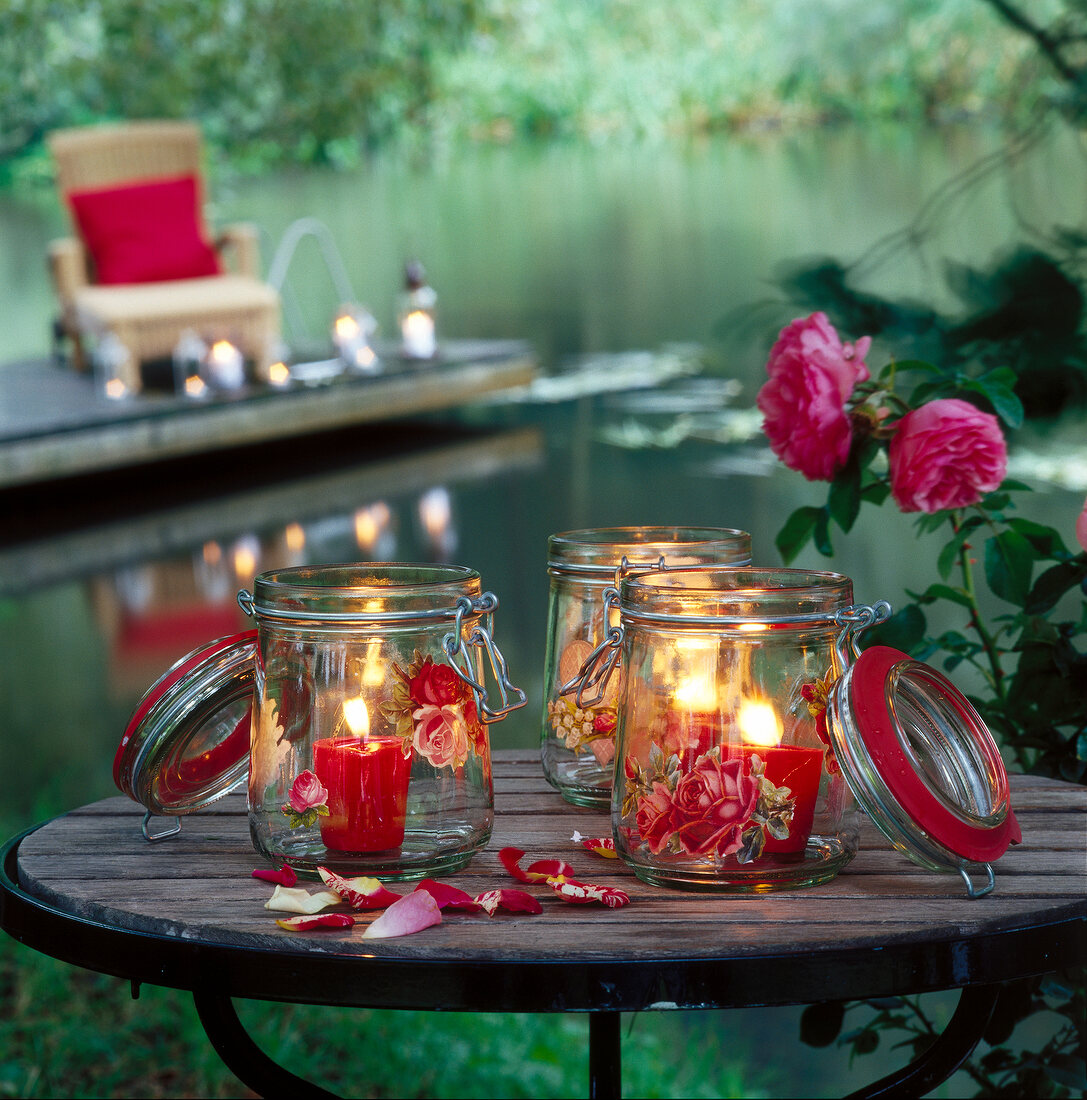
(923, 765)
(187, 742)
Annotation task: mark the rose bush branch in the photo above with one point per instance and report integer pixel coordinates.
(931, 442)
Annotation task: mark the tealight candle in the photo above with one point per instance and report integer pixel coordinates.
(224, 366)
(417, 330)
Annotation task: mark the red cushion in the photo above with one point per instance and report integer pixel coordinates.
(145, 232)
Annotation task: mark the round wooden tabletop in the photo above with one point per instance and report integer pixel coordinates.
(185, 912)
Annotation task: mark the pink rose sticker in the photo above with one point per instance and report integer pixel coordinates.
(441, 735)
(812, 375)
(307, 792)
(946, 454)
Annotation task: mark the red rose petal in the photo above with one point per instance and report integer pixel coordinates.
(539, 871)
(359, 893)
(598, 845)
(411, 913)
(322, 920)
(449, 897)
(516, 901)
(582, 893)
(281, 876)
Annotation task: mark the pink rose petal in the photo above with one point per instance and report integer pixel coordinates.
(360, 892)
(449, 897)
(516, 901)
(412, 913)
(280, 876)
(324, 920)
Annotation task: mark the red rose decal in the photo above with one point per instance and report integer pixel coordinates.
(654, 817)
(711, 805)
(434, 685)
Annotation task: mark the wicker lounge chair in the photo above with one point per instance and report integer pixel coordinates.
(110, 164)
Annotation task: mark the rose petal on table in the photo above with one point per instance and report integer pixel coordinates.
(361, 892)
(516, 901)
(539, 871)
(580, 893)
(297, 899)
(411, 913)
(449, 897)
(599, 845)
(281, 876)
(325, 920)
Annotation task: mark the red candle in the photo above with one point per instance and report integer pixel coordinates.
(367, 784)
(799, 769)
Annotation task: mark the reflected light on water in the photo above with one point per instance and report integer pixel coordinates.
(436, 516)
(373, 532)
(245, 556)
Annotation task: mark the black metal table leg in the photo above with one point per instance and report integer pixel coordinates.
(243, 1057)
(947, 1052)
(605, 1057)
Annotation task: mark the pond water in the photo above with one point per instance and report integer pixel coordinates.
(643, 277)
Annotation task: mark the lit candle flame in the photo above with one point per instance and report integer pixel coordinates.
(759, 724)
(698, 693)
(373, 670)
(295, 536)
(357, 716)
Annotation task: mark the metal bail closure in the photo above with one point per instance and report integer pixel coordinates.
(482, 636)
(187, 742)
(922, 763)
(597, 668)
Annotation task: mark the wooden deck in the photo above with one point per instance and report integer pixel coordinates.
(53, 423)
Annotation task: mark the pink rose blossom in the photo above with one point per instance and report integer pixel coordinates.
(1081, 527)
(811, 377)
(946, 454)
(441, 735)
(307, 791)
(712, 804)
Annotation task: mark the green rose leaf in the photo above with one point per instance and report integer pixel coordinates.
(1009, 559)
(1053, 584)
(995, 388)
(844, 499)
(798, 529)
(904, 630)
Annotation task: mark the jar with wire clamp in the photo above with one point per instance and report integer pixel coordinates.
(357, 711)
(750, 726)
(577, 742)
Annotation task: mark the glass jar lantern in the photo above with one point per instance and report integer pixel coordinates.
(723, 779)
(578, 726)
(750, 724)
(370, 751)
(357, 710)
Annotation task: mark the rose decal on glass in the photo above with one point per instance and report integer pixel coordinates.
(434, 713)
(583, 728)
(308, 800)
(713, 808)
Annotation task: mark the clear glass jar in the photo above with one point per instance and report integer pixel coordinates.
(369, 750)
(724, 776)
(577, 743)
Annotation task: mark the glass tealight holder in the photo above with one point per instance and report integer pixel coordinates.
(749, 719)
(370, 751)
(577, 741)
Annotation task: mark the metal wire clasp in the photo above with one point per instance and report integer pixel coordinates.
(596, 671)
(853, 620)
(460, 659)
